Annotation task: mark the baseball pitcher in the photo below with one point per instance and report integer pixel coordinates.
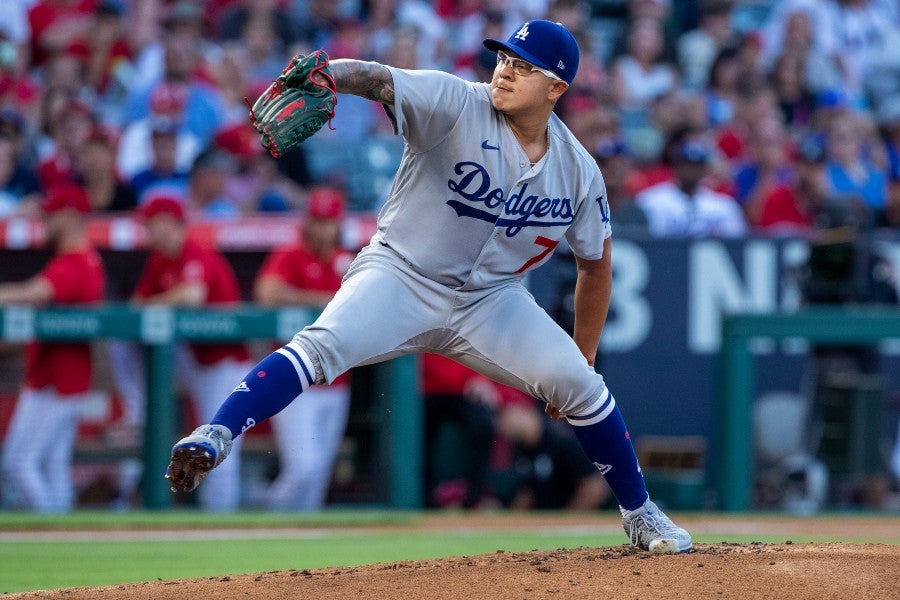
(491, 181)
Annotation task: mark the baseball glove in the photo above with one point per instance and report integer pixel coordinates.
(296, 105)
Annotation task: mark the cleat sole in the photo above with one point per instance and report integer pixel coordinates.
(667, 547)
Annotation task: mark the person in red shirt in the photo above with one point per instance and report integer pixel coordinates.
(37, 451)
(182, 273)
(309, 431)
(458, 395)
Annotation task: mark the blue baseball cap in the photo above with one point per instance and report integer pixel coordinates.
(544, 44)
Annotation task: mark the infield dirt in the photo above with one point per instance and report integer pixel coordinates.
(795, 571)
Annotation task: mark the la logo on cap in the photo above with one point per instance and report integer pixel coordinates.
(522, 33)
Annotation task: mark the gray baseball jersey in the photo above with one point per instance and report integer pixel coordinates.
(467, 209)
(467, 216)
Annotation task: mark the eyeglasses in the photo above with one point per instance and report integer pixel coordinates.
(523, 68)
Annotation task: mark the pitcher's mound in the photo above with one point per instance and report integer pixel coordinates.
(789, 571)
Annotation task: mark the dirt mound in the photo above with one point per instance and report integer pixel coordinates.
(794, 571)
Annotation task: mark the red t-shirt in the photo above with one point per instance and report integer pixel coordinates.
(300, 268)
(77, 278)
(782, 208)
(297, 266)
(442, 376)
(196, 264)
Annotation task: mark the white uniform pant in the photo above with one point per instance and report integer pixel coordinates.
(37, 451)
(385, 309)
(207, 385)
(308, 433)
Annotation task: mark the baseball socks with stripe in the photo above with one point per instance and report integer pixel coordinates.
(267, 389)
(605, 440)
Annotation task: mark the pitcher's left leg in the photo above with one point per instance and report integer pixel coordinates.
(508, 337)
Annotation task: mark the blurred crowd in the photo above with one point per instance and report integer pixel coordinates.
(707, 117)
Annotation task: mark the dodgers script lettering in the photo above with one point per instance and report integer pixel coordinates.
(520, 209)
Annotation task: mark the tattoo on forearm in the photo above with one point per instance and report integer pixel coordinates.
(367, 79)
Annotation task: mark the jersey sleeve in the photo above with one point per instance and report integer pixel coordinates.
(591, 225)
(427, 104)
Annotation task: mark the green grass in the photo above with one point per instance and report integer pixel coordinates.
(175, 519)
(32, 564)
(103, 563)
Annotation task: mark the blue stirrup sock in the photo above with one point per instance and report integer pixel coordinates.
(267, 389)
(606, 441)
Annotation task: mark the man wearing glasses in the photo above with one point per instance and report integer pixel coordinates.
(490, 182)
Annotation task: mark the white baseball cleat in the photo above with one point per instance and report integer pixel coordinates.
(650, 529)
(196, 455)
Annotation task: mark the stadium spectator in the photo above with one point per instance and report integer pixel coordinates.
(309, 431)
(722, 90)
(654, 9)
(104, 52)
(55, 24)
(412, 17)
(850, 168)
(165, 167)
(615, 164)
(266, 29)
(864, 36)
(37, 450)
(97, 170)
(15, 29)
(821, 71)
(257, 180)
(470, 25)
(766, 169)
(320, 19)
(70, 129)
(756, 101)
(208, 196)
(137, 145)
(233, 80)
(641, 74)
(185, 76)
(793, 208)
(796, 102)
(686, 206)
(698, 48)
(19, 89)
(360, 118)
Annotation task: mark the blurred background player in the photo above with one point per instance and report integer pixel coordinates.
(37, 451)
(551, 470)
(309, 431)
(181, 272)
(457, 395)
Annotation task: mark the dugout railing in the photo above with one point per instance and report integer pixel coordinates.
(394, 385)
(737, 378)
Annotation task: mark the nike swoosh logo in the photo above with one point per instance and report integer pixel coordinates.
(487, 146)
